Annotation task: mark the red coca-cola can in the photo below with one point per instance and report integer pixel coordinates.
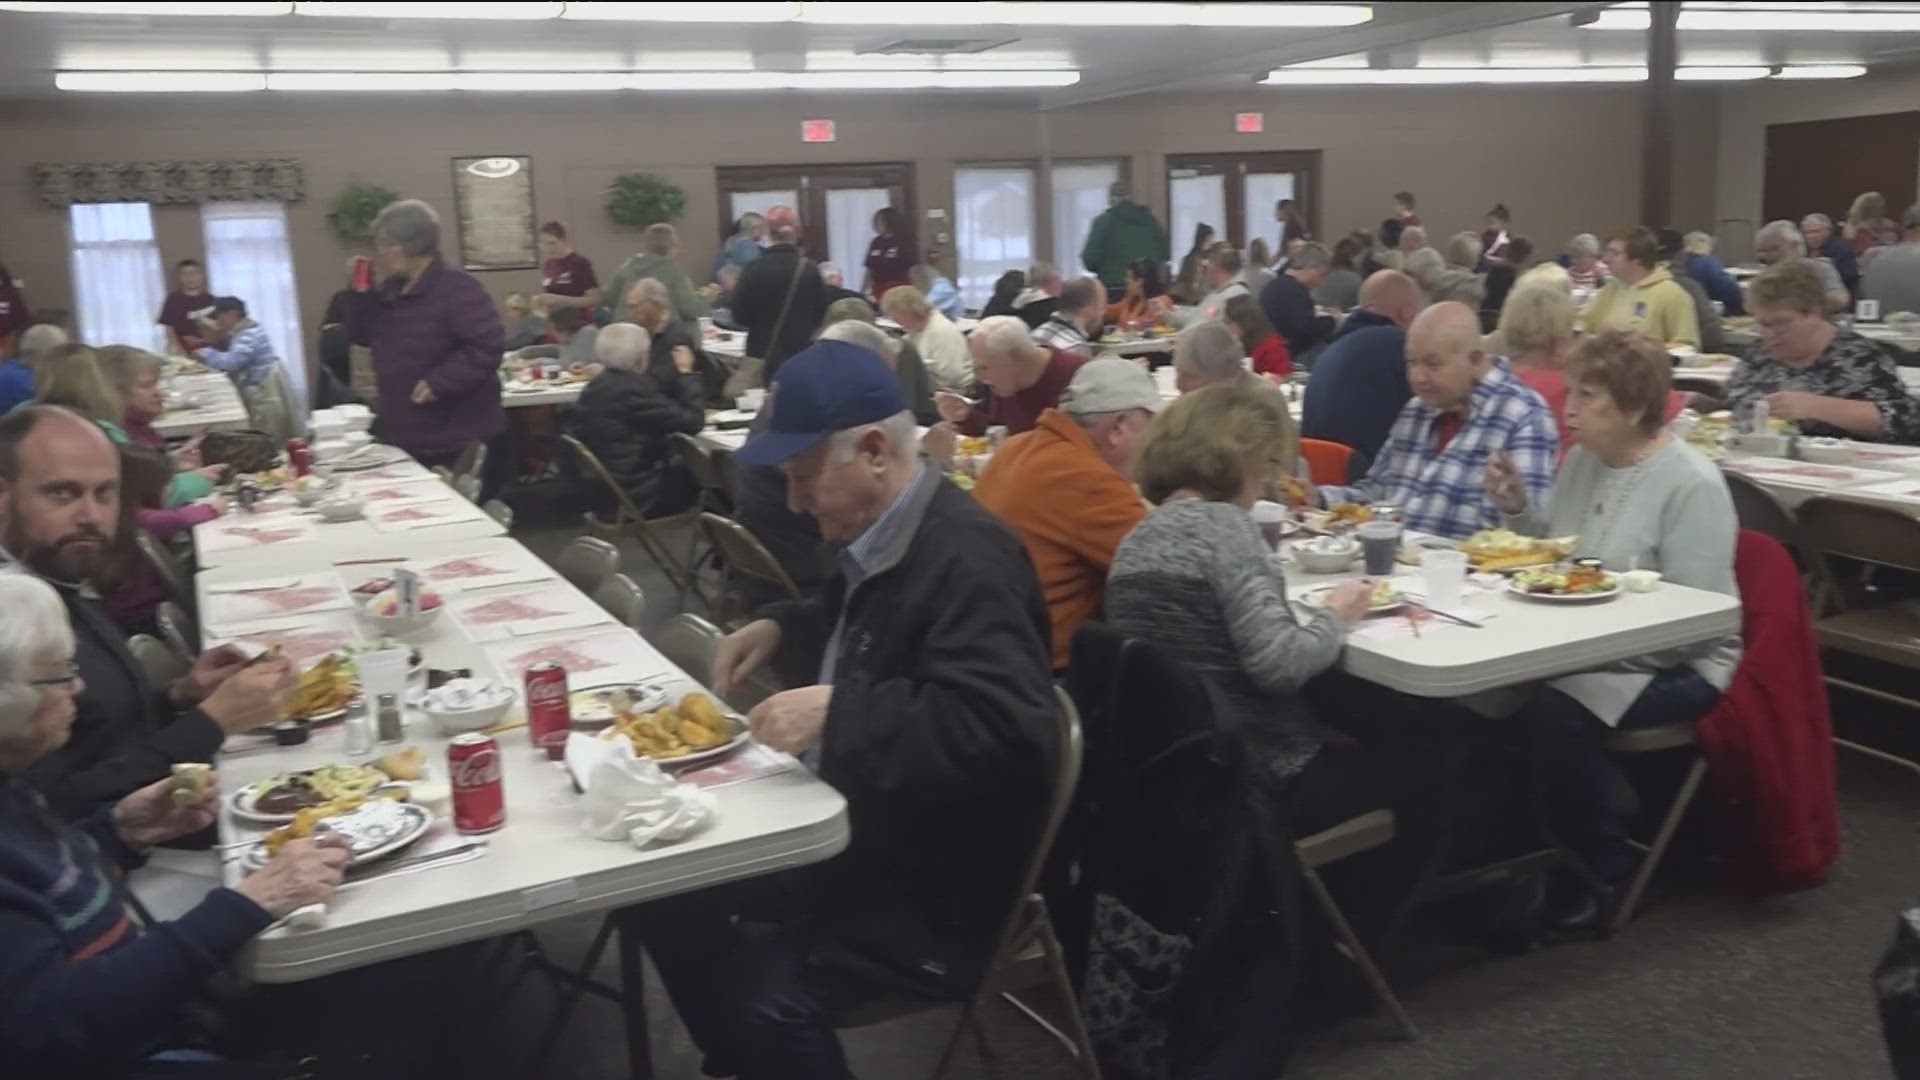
(300, 456)
(473, 769)
(549, 717)
(362, 273)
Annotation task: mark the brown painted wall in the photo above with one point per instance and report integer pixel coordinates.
(1564, 160)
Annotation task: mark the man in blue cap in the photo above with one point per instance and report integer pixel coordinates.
(932, 712)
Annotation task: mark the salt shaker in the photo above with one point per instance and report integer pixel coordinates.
(390, 728)
(359, 731)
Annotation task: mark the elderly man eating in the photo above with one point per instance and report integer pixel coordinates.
(1780, 241)
(60, 503)
(627, 412)
(1468, 410)
(1064, 487)
(932, 712)
(1824, 243)
(1082, 311)
(91, 990)
(1022, 379)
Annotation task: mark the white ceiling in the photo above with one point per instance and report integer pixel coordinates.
(1113, 61)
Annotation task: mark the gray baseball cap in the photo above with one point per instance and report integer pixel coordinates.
(1110, 385)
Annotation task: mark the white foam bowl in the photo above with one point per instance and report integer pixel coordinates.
(357, 417)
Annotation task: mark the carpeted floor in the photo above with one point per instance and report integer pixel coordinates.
(1702, 987)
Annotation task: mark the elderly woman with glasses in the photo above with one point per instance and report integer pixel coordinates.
(436, 341)
(1827, 380)
(90, 990)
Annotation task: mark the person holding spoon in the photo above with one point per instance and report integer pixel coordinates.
(1637, 498)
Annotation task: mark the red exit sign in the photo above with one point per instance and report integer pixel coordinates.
(1249, 123)
(816, 131)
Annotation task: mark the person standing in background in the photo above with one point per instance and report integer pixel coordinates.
(1293, 225)
(242, 348)
(891, 256)
(658, 245)
(749, 233)
(14, 315)
(1190, 284)
(1403, 212)
(1124, 233)
(1494, 241)
(566, 276)
(780, 300)
(179, 312)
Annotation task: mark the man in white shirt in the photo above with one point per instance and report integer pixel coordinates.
(942, 347)
(1225, 278)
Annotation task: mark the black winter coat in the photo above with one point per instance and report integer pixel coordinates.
(624, 417)
(942, 732)
(762, 291)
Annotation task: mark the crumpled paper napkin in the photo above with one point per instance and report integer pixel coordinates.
(628, 797)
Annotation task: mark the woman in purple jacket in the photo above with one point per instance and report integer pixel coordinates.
(436, 341)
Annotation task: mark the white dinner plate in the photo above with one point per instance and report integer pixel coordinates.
(740, 738)
(373, 456)
(240, 803)
(1317, 598)
(395, 828)
(1513, 586)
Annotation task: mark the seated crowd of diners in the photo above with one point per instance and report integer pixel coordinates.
(921, 655)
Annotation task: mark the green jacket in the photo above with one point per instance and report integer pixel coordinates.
(184, 488)
(1123, 233)
(687, 304)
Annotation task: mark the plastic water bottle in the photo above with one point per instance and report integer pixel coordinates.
(1761, 418)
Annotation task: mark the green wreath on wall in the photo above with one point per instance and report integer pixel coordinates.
(355, 208)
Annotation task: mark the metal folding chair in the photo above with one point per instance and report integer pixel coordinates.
(1029, 952)
(689, 641)
(712, 472)
(1370, 830)
(158, 659)
(499, 512)
(623, 600)
(587, 561)
(177, 628)
(1849, 619)
(1653, 740)
(168, 566)
(468, 487)
(628, 520)
(740, 554)
(1761, 511)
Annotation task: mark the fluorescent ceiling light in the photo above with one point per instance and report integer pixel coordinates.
(475, 9)
(705, 80)
(362, 81)
(1035, 13)
(530, 81)
(1721, 74)
(1449, 76)
(684, 60)
(160, 82)
(1821, 71)
(1765, 17)
(996, 60)
(745, 12)
(230, 10)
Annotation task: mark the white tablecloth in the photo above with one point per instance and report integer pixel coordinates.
(540, 866)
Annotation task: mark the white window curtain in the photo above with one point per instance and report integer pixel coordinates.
(1195, 201)
(993, 227)
(248, 257)
(1264, 192)
(118, 282)
(1079, 196)
(850, 230)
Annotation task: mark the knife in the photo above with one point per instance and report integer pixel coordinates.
(1464, 620)
(384, 869)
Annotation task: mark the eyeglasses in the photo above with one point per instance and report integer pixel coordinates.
(1777, 325)
(72, 676)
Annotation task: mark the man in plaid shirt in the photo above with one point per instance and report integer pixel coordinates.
(1466, 407)
(245, 354)
(1082, 311)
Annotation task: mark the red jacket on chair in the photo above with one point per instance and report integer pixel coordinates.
(1769, 743)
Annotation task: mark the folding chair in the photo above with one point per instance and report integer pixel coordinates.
(1328, 461)
(1762, 511)
(688, 641)
(1370, 830)
(1029, 952)
(1654, 740)
(168, 566)
(471, 462)
(623, 600)
(499, 512)
(162, 665)
(177, 629)
(1847, 618)
(587, 561)
(713, 472)
(628, 520)
(468, 487)
(740, 554)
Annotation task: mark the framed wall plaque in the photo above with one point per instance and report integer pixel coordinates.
(493, 197)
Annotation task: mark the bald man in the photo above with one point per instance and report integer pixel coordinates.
(1360, 380)
(60, 501)
(1467, 407)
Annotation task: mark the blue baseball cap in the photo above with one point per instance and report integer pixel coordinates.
(829, 386)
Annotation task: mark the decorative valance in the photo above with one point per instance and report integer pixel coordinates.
(170, 182)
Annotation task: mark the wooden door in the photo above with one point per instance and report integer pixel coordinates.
(821, 190)
(1238, 189)
(1821, 165)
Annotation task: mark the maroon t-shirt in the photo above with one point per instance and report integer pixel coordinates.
(13, 306)
(569, 275)
(888, 260)
(1018, 412)
(177, 313)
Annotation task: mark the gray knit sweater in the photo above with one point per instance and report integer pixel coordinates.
(1195, 579)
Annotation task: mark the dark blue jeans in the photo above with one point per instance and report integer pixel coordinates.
(1579, 779)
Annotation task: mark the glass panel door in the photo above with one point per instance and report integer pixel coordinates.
(1263, 192)
(1079, 196)
(993, 227)
(759, 202)
(850, 229)
(1197, 200)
